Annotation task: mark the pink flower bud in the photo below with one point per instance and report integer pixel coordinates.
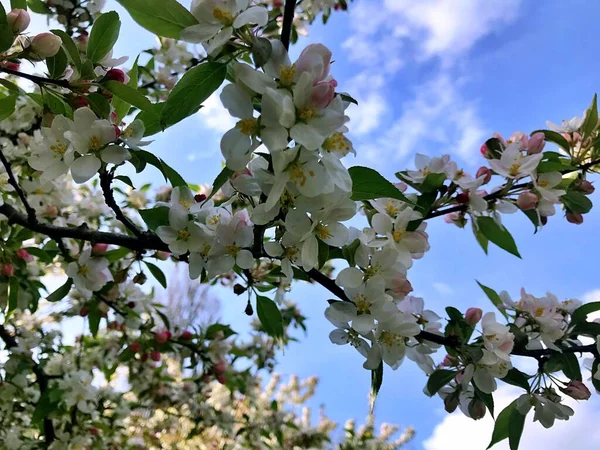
(484, 172)
(577, 390)
(46, 45)
(10, 65)
(400, 286)
(527, 200)
(162, 337)
(99, 249)
(574, 217)
(449, 361)
(587, 187)
(500, 138)
(82, 41)
(84, 311)
(8, 270)
(94, 431)
(163, 256)
(186, 335)
(462, 198)
(459, 377)
(316, 60)
(18, 20)
(322, 93)
(51, 211)
(277, 3)
(536, 143)
(484, 151)
(79, 102)
(116, 75)
(135, 347)
(155, 355)
(473, 316)
(24, 255)
(476, 409)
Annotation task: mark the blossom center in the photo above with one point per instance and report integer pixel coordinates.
(389, 339)
(287, 75)
(214, 220)
(322, 232)
(232, 250)
(391, 209)
(336, 143)
(398, 235)
(249, 127)
(94, 143)
(183, 235)
(58, 148)
(543, 183)
(297, 174)
(83, 270)
(513, 170)
(362, 303)
(373, 270)
(290, 253)
(306, 114)
(539, 311)
(223, 17)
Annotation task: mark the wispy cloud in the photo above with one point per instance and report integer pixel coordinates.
(443, 288)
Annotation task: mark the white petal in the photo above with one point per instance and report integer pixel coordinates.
(342, 311)
(255, 80)
(307, 136)
(255, 16)
(350, 277)
(339, 337)
(236, 101)
(85, 168)
(382, 223)
(310, 253)
(114, 154)
(178, 217)
(244, 259)
(200, 33)
(363, 324)
(273, 248)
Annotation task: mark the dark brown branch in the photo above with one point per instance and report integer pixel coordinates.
(35, 78)
(288, 19)
(149, 241)
(41, 380)
(105, 182)
(15, 184)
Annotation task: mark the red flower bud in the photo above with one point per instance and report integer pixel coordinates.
(574, 217)
(84, 311)
(94, 431)
(199, 197)
(587, 187)
(79, 102)
(163, 256)
(7, 270)
(135, 347)
(24, 255)
(476, 409)
(116, 75)
(144, 357)
(155, 355)
(131, 305)
(186, 335)
(162, 337)
(462, 198)
(99, 249)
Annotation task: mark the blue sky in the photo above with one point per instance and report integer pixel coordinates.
(434, 76)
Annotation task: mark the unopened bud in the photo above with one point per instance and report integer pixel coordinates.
(10, 65)
(484, 151)
(163, 256)
(462, 198)
(473, 316)
(135, 347)
(186, 335)
(46, 45)
(131, 305)
(449, 361)
(24, 255)
(200, 197)
(79, 102)
(140, 278)
(99, 249)
(155, 355)
(574, 217)
(249, 311)
(451, 403)
(162, 337)
(18, 20)
(51, 212)
(238, 289)
(144, 357)
(476, 409)
(116, 75)
(536, 143)
(484, 172)
(84, 311)
(8, 270)
(587, 187)
(527, 200)
(577, 390)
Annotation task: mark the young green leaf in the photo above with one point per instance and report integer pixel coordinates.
(439, 379)
(157, 273)
(129, 95)
(194, 88)
(99, 104)
(57, 64)
(94, 321)
(220, 180)
(18, 4)
(501, 429)
(376, 382)
(103, 36)
(7, 106)
(516, 424)
(497, 234)
(494, 297)
(61, 292)
(368, 184)
(6, 36)
(38, 7)
(581, 313)
(165, 18)
(591, 118)
(172, 175)
(577, 202)
(269, 316)
(155, 217)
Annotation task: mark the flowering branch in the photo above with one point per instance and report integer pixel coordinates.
(105, 183)
(15, 184)
(35, 78)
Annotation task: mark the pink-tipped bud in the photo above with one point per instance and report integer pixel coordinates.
(155, 355)
(162, 337)
(574, 218)
(46, 45)
(451, 402)
(200, 197)
(135, 347)
(473, 316)
(84, 311)
(449, 361)
(80, 102)
(484, 151)
(322, 93)
(144, 357)
(536, 143)
(462, 198)
(527, 200)
(24, 255)
(18, 20)
(476, 409)
(163, 256)
(484, 172)
(400, 285)
(577, 390)
(10, 65)
(587, 187)
(94, 431)
(277, 3)
(82, 41)
(116, 75)
(186, 335)
(99, 249)
(8, 270)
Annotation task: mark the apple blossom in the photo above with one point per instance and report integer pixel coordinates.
(45, 45)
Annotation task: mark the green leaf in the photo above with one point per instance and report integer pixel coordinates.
(172, 175)
(125, 179)
(533, 216)
(157, 273)
(347, 98)
(439, 379)
(553, 136)
(12, 87)
(487, 399)
(323, 255)
(591, 329)
(502, 424)
(18, 4)
(116, 255)
(61, 292)
(99, 104)
(126, 355)
(57, 64)
(103, 36)
(122, 107)
(195, 86)
(569, 365)
(480, 238)
(212, 330)
(577, 202)
(595, 381)
(368, 184)
(44, 407)
(94, 321)
(581, 313)
(129, 95)
(269, 316)
(516, 423)
(591, 119)
(349, 252)
(43, 255)
(220, 180)
(497, 234)
(57, 103)
(165, 18)
(7, 106)
(155, 217)
(517, 378)
(6, 36)
(151, 119)
(494, 297)
(13, 294)
(376, 382)
(554, 166)
(39, 7)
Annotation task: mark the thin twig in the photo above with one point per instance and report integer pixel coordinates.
(35, 78)
(105, 183)
(15, 184)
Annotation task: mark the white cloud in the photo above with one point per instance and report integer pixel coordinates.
(580, 432)
(213, 116)
(443, 288)
(591, 296)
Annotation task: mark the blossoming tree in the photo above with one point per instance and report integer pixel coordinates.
(275, 215)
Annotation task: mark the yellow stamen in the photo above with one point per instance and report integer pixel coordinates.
(83, 270)
(297, 174)
(391, 209)
(336, 143)
(232, 250)
(287, 75)
(362, 303)
(223, 17)
(513, 170)
(183, 235)
(398, 235)
(59, 148)
(94, 143)
(306, 114)
(322, 232)
(249, 127)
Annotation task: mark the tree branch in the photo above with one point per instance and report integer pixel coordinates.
(105, 182)
(35, 78)
(288, 18)
(41, 380)
(15, 184)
